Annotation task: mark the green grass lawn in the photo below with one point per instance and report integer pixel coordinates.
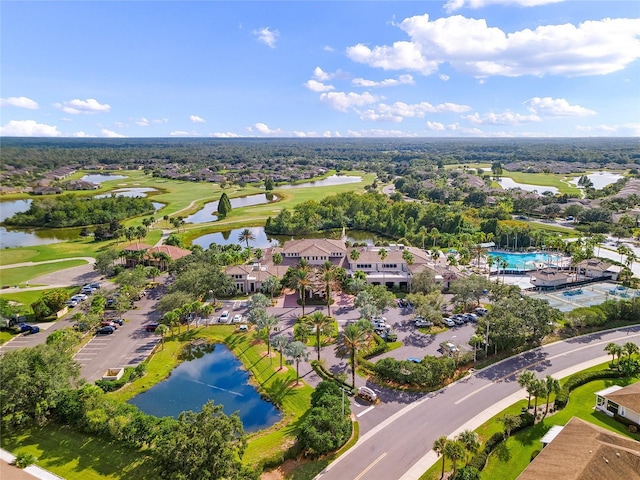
(5, 336)
(74, 455)
(28, 297)
(545, 179)
(19, 275)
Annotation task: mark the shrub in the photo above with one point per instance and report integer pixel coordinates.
(23, 460)
(493, 441)
(479, 461)
(380, 347)
(579, 379)
(468, 472)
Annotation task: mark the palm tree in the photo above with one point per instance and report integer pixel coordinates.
(267, 324)
(438, 447)
(276, 258)
(280, 343)
(470, 441)
(321, 323)
(612, 349)
(455, 451)
(354, 254)
(630, 348)
(172, 319)
(538, 389)
(206, 310)
(297, 351)
(434, 233)
(524, 380)
(510, 422)
(247, 236)
(352, 339)
(301, 281)
(328, 277)
(551, 386)
(271, 284)
(382, 253)
(162, 330)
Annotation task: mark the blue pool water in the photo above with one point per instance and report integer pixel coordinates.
(526, 261)
(217, 376)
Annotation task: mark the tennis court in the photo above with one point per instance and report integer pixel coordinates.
(586, 295)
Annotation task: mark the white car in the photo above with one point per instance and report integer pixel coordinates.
(448, 322)
(423, 323)
(224, 318)
(237, 318)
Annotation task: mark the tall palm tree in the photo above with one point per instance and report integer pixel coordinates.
(172, 319)
(470, 441)
(455, 451)
(162, 330)
(276, 258)
(551, 385)
(247, 236)
(328, 277)
(297, 351)
(524, 380)
(352, 339)
(630, 348)
(612, 349)
(321, 323)
(280, 343)
(438, 447)
(538, 389)
(267, 323)
(301, 281)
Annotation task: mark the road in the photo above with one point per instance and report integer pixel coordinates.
(396, 444)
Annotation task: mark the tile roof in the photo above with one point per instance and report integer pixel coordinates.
(628, 397)
(173, 252)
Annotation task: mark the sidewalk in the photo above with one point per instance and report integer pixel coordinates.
(11, 472)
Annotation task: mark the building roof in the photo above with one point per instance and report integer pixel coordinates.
(583, 451)
(174, 252)
(550, 274)
(594, 264)
(136, 247)
(323, 245)
(628, 397)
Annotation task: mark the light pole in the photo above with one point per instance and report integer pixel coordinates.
(486, 342)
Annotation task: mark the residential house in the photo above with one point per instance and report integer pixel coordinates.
(316, 251)
(622, 403)
(174, 253)
(47, 190)
(597, 268)
(249, 278)
(583, 451)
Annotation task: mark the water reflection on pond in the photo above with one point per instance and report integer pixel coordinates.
(600, 179)
(264, 240)
(101, 177)
(127, 192)
(215, 374)
(506, 182)
(206, 213)
(325, 182)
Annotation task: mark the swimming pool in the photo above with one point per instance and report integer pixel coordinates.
(526, 261)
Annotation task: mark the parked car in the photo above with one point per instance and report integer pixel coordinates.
(80, 297)
(106, 330)
(87, 290)
(237, 318)
(449, 348)
(472, 317)
(413, 359)
(151, 327)
(224, 317)
(108, 323)
(481, 311)
(367, 394)
(95, 285)
(244, 327)
(71, 303)
(448, 322)
(423, 323)
(458, 319)
(390, 336)
(119, 321)
(26, 328)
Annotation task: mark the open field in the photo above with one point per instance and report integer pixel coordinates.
(545, 179)
(30, 296)
(20, 275)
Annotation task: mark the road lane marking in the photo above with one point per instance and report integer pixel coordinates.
(373, 464)
(365, 411)
(472, 393)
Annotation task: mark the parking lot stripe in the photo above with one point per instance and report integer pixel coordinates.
(365, 411)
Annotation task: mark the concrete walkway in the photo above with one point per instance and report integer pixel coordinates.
(11, 472)
(90, 260)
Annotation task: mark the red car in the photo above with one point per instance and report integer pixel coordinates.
(151, 327)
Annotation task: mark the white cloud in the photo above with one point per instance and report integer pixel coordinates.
(316, 86)
(143, 122)
(344, 101)
(504, 118)
(321, 75)
(265, 130)
(196, 119)
(90, 105)
(436, 126)
(267, 36)
(182, 133)
(453, 5)
(82, 135)
(556, 107)
(111, 134)
(389, 82)
(400, 56)
(224, 135)
(471, 46)
(328, 48)
(624, 130)
(28, 128)
(373, 116)
(20, 102)
(444, 77)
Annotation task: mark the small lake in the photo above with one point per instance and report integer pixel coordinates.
(100, 177)
(325, 182)
(217, 376)
(206, 213)
(600, 179)
(507, 183)
(127, 192)
(264, 240)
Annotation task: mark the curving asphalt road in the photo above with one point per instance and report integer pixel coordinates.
(397, 444)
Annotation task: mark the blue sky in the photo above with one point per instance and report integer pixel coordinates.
(456, 68)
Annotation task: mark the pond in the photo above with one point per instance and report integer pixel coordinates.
(100, 177)
(507, 183)
(600, 179)
(206, 213)
(132, 192)
(217, 375)
(325, 182)
(264, 240)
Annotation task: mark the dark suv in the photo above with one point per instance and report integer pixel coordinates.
(151, 327)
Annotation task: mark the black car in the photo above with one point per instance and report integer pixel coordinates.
(119, 321)
(107, 330)
(151, 327)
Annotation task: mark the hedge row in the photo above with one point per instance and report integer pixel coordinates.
(129, 375)
(579, 379)
(325, 374)
(380, 348)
